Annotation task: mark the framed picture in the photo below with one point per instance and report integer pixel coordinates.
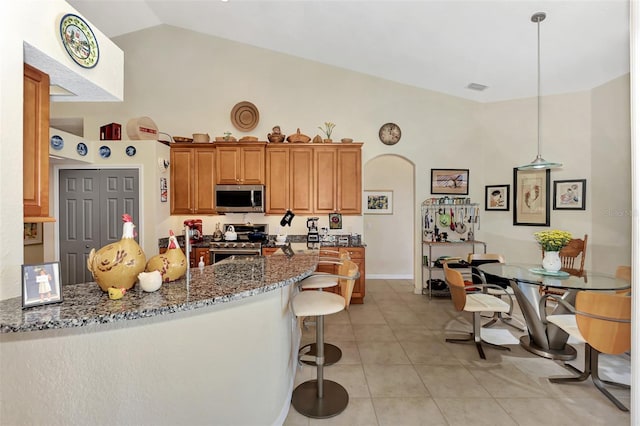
(531, 190)
(32, 233)
(450, 181)
(335, 221)
(496, 197)
(163, 190)
(378, 202)
(569, 194)
(41, 284)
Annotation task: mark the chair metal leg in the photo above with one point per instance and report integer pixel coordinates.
(476, 338)
(320, 398)
(591, 369)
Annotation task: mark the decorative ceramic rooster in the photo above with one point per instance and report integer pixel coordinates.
(172, 264)
(118, 264)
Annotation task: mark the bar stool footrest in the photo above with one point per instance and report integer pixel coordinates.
(332, 354)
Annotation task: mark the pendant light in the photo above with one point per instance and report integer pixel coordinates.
(539, 162)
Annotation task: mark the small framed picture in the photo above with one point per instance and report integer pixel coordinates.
(531, 197)
(163, 190)
(569, 194)
(378, 202)
(496, 197)
(450, 181)
(335, 221)
(41, 284)
(32, 233)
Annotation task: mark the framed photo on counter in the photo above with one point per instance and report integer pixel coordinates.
(531, 190)
(41, 284)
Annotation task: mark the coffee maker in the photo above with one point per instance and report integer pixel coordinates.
(195, 230)
(312, 230)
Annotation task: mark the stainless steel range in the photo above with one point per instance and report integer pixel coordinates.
(242, 246)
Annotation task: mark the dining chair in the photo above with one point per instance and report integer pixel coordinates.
(479, 277)
(320, 398)
(474, 303)
(602, 321)
(319, 281)
(624, 273)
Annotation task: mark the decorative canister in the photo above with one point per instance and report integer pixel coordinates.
(551, 261)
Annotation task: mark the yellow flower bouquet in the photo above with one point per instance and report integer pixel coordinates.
(552, 240)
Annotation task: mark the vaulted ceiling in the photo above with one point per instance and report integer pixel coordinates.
(437, 45)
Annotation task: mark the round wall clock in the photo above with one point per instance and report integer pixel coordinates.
(390, 133)
(79, 41)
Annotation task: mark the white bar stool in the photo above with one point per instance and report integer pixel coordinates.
(319, 281)
(320, 398)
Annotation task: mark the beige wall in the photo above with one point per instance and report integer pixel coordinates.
(193, 90)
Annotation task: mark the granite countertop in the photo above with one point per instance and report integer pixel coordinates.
(230, 280)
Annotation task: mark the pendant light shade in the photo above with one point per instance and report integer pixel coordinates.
(539, 162)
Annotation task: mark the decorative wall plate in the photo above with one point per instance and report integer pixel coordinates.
(131, 150)
(81, 149)
(245, 116)
(79, 41)
(57, 142)
(105, 151)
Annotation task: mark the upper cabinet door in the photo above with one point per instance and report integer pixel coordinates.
(240, 165)
(35, 144)
(325, 179)
(349, 181)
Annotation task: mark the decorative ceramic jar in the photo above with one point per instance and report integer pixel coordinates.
(551, 261)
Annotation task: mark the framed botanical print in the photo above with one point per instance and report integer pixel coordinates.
(569, 194)
(496, 197)
(450, 181)
(531, 190)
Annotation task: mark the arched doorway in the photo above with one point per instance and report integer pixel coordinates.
(390, 237)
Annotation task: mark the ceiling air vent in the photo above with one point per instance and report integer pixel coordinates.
(476, 86)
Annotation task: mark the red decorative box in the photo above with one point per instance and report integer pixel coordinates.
(110, 132)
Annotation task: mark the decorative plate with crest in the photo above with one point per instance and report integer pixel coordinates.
(79, 41)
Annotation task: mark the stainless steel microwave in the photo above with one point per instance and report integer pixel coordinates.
(240, 198)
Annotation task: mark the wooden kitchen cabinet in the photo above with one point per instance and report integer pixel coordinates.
(289, 177)
(314, 178)
(193, 173)
(35, 145)
(240, 163)
(357, 256)
(338, 179)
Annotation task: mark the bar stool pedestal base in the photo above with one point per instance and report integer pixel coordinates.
(306, 402)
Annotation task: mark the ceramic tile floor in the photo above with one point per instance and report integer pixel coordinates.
(398, 370)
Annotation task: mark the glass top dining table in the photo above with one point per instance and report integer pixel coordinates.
(547, 340)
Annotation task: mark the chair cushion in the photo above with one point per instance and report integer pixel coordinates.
(319, 280)
(568, 323)
(311, 303)
(496, 292)
(480, 302)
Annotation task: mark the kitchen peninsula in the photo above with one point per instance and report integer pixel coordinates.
(197, 351)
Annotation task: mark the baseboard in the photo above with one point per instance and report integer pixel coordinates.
(389, 276)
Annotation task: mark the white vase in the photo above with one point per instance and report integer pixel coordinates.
(551, 261)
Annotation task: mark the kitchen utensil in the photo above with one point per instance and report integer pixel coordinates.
(461, 228)
(256, 237)
(452, 224)
(443, 218)
(230, 235)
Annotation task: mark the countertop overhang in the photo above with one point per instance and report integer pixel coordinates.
(227, 281)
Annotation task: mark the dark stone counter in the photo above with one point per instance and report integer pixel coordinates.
(232, 279)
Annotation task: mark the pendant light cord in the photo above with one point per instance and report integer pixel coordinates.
(539, 115)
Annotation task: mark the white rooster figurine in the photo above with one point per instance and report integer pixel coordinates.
(172, 264)
(118, 264)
